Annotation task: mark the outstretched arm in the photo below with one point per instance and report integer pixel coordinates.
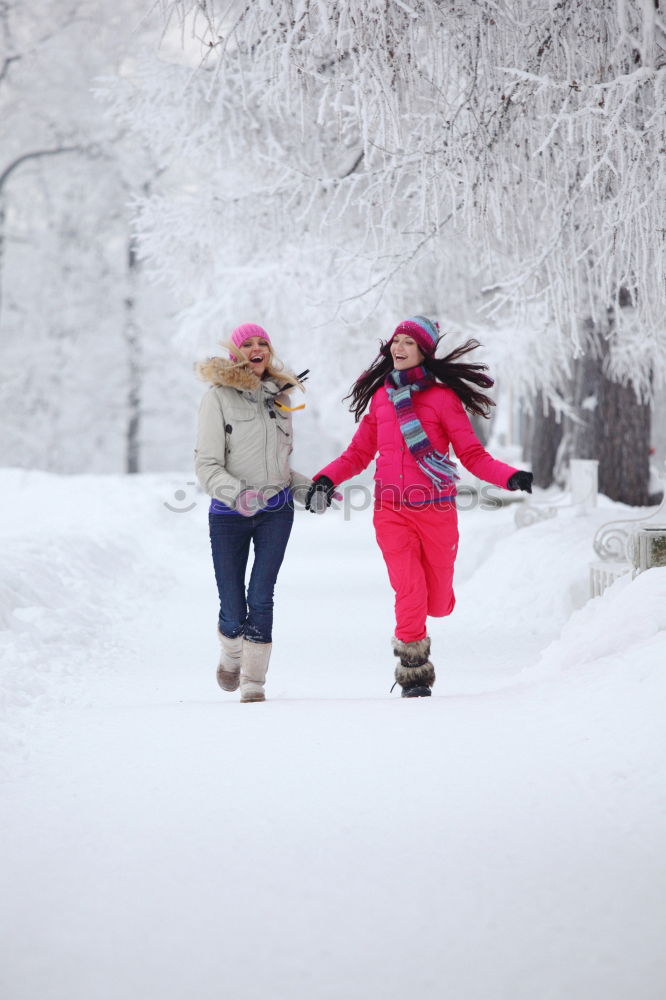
(361, 451)
(469, 449)
(357, 457)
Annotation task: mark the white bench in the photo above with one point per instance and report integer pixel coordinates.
(603, 574)
(627, 545)
(630, 545)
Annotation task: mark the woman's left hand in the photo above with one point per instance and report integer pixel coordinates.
(520, 481)
(320, 495)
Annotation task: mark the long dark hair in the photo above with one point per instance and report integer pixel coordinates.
(449, 371)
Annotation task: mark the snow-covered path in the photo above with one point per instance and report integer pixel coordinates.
(503, 839)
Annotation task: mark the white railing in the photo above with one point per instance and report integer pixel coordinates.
(628, 545)
(625, 545)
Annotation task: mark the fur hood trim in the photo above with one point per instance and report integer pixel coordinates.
(221, 371)
(239, 375)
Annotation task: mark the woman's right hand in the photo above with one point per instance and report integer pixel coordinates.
(248, 503)
(320, 495)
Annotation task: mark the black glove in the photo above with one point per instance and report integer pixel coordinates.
(319, 495)
(520, 481)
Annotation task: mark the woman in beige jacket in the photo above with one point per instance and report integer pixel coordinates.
(244, 442)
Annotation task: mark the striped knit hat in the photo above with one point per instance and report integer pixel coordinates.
(420, 329)
(242, 333)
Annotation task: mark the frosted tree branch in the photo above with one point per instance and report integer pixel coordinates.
(530, 132)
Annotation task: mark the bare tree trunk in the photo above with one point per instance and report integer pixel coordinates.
(545, 437)
(5, 175)
(624, 463)
(587, 428)
(134, 363)
(614, 428)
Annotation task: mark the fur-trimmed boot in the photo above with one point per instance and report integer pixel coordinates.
(254, 664)
(415, 673)
(228, 670)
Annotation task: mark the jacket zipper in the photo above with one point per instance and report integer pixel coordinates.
(264, 411)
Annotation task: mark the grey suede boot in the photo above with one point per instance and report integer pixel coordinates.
(254, 664)
(228, 671)
(415, 673)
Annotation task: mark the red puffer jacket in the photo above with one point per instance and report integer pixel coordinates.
(398, 478)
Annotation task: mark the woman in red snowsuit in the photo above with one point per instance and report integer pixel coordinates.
(417, 409)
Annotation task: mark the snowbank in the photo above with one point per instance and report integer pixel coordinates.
(516, 815)
(534, 578)
(628, 618)
(78, 552)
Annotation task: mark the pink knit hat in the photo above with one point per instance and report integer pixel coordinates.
(422, 330)
(242, 333)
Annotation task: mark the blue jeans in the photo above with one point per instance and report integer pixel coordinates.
(250, 615)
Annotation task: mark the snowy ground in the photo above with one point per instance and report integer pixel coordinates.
(502, 840)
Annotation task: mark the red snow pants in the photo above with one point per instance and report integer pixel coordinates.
(419, 545)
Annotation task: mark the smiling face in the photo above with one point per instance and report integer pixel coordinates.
(405, 352)
(257, 351)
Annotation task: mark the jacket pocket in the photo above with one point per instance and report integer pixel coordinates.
(238, 412)
(238, 431)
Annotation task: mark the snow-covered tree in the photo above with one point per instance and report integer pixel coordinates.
(538, 127)
(339, 145)
(78, 319)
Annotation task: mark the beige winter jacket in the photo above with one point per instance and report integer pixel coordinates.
(244, 440)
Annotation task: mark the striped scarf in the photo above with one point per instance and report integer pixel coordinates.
(399, 386)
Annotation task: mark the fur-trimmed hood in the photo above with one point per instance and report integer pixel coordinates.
(237, 375)
(221, 371)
